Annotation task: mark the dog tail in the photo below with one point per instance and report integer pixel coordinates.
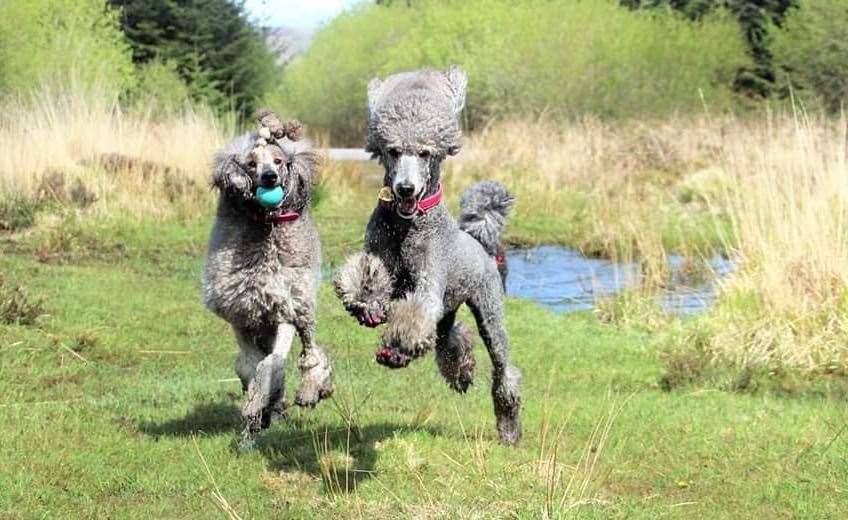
(483, 209)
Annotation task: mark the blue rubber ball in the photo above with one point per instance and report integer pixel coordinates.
(269, 197)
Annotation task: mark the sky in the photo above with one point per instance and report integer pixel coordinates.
(296, 13)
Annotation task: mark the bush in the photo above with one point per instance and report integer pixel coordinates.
(160, 90)
(17, 307)
(77, 43)
(813, 52)
(17, 211)
(528, 58)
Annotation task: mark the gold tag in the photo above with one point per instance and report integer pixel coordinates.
(385, 194)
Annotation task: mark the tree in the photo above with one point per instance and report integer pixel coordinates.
(63, 44)
(218, 52)
(755, 17)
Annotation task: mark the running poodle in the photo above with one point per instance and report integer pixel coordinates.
(263, 266)
(419, 264)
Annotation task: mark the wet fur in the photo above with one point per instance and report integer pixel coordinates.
(430, 265)
(263, 278)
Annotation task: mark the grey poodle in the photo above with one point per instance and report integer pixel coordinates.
(263, 267)
(419, 264)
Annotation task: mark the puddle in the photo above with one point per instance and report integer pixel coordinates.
(566, 281)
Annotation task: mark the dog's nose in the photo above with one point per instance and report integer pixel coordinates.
(269, 178)
(406, 189)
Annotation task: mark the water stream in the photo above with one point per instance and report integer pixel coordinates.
(565, 281)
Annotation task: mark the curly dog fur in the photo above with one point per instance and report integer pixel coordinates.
(262, 272)
(419, 264)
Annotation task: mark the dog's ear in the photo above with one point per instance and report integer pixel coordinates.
(228, 173)
(458, 82)
(305, 166)
(222, 166)
(375, 89)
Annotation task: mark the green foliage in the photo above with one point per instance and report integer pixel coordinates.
(523, 58)
(813, 52)
(217, 52)
(326, 87)
(756, 19)
(62, 43)
(160, 90)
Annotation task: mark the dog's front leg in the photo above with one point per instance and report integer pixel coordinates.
(364, 286)
(411, 328)
(265, 385)
(316, 372)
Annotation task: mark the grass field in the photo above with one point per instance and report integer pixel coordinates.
(118, 398)
(121, 402)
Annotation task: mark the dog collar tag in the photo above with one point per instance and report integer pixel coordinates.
(385, 195)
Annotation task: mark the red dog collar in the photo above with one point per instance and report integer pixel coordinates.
(428, 203)
(263, 217)
(387, 198)
(284, 217)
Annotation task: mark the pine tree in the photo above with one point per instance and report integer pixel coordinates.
(220, 55)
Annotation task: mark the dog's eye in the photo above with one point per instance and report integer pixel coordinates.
(424, 154)
(278, 161)
(394, 153)
(251, 164)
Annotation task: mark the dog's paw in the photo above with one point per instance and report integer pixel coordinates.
(507, 401)
(509, 429)
(252, 427)
(368, 314)
(456, 359)
(405, 340)
(410, 334)
(391, 358)
(316, 375)
(362, 283)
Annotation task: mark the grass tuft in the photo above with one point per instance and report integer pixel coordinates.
(17, 307)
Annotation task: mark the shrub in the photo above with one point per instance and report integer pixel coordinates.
(16, 306)
(813, 52)
(160, 91)
(529, 58)
(75, 43)
(17, 211)
(785, 306)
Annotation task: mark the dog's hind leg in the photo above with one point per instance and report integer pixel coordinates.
(316, 372)
(261, 367)
(454, 352)
(487, 308)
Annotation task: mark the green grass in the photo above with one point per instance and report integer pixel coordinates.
(118, 397)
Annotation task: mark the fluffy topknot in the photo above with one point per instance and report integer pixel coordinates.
(278, 129)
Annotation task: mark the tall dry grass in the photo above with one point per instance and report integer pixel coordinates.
(72, 136)
(785, 306)
(771, 192)
(623, 191)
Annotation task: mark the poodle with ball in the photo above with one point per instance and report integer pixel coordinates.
(263, 266)
(419, 264)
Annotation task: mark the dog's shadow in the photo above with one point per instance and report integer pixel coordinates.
(211, 417)
(340, 456)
